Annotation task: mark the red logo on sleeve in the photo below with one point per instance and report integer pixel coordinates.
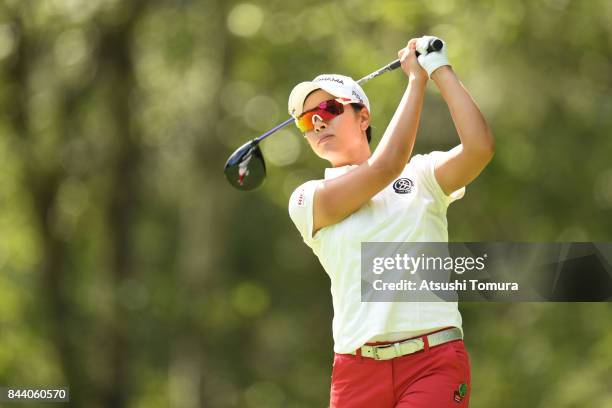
(301, 201)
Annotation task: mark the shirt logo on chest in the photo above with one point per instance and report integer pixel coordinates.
(403, 186)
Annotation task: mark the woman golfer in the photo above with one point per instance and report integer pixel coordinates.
(394, 354)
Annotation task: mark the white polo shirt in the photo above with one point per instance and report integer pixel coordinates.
(410, 209)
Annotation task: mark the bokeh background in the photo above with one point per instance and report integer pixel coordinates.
(131, 271)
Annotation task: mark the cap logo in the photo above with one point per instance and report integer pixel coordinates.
(355, 94)
(332, 79)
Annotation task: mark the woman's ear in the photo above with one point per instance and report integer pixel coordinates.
(364, 119)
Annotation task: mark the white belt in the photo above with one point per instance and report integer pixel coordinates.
(402, 348)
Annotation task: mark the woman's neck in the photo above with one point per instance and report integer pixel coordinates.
(357, 157)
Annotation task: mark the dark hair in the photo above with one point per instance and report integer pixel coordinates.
(357, 108)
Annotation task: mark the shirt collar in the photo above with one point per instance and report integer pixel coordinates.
(333, 172)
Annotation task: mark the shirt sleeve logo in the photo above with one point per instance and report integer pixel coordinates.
(301, 201)
(403, 186)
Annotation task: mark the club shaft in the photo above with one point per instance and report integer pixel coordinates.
(389, 67)
(274, 129)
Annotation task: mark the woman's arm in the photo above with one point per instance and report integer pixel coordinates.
(462, 164)
(337, 198)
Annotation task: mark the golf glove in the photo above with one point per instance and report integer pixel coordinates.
(432, 60)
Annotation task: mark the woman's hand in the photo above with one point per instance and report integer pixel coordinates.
(410, 64)
(431, 60)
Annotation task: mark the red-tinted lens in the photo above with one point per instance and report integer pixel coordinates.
(326, 110)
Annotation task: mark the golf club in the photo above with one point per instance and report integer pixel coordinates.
(245, 169)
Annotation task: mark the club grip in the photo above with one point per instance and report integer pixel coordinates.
(434, 45)
(395, 64)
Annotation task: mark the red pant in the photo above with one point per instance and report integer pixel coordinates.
(438, 377)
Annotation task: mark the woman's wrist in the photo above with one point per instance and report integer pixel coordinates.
(441, 73)
(417, 81)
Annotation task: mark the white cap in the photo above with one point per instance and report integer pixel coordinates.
(339, 86)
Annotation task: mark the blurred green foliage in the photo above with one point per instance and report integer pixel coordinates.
(133, 273)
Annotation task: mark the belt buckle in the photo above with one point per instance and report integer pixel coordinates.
(385, 346)
(415, 343)
(375, 352)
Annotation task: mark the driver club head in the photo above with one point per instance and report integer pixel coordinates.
(245, 169)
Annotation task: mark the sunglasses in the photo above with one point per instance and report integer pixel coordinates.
(325, 111)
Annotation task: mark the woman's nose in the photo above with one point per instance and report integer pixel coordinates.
(318, 123)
